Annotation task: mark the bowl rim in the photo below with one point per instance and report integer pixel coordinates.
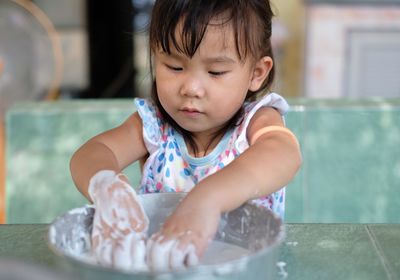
(235, 264)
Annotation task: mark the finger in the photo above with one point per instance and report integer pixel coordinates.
(156, 237)
(159, 254)
(103, 253)
(177, 257)
(121, 255)
(151, 242)
(184, 252)
(199, 241)
(129, 253)
(95, 240)
(191, 258)
(138, 253)
(149, 247)
(178, 254)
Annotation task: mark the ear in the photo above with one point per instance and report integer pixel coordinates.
(260, 72)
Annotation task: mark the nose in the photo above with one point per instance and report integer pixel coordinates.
(192, 87)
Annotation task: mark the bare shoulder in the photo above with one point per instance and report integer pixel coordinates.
(265, 116)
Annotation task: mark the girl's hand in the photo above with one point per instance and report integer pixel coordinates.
(119, 224)
(184, 236)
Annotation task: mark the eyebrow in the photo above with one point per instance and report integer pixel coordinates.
(172, 54)
(220, 59)
(208, 60)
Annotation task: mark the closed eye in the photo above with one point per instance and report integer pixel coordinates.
(217, 73)
(173, 68)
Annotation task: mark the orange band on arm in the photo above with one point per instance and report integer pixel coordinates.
(272, 128)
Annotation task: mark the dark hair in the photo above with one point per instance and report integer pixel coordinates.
(251, 21)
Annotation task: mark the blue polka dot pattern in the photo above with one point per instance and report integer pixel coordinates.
(169, 167)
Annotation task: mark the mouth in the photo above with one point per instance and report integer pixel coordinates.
(190, 111)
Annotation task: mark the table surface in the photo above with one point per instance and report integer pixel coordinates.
(310, 251)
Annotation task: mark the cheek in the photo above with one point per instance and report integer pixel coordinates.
(230, 107)
(164, 85)
(162, 76)
(239, 84)
(165, 80)
(164, 92)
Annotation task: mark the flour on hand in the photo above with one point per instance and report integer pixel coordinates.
(167, 255)
(119, 224)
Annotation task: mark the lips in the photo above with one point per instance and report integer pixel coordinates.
(190, 111)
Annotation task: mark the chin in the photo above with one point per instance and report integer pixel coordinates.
(192, 128)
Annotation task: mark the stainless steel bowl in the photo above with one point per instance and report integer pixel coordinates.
(250, 227)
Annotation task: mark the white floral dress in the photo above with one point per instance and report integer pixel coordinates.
(170, 168)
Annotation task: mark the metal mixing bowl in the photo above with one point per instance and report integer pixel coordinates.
(253, 228)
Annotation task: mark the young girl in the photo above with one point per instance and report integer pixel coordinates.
(210, 129)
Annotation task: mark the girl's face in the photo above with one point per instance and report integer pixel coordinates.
(202, 93)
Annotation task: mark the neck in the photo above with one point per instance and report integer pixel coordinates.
(205, 144)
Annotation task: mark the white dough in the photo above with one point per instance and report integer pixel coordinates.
(218, 252)
(130, 252)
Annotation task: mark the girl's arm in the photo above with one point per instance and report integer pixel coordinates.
(265, 167)
(119, 222)
(111, 150)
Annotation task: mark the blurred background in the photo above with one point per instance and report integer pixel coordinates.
(63, 50)
(58, 49)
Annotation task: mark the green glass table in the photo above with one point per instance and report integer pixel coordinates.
(310, 251)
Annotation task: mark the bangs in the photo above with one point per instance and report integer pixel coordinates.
(181, 25)
(164, 33)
